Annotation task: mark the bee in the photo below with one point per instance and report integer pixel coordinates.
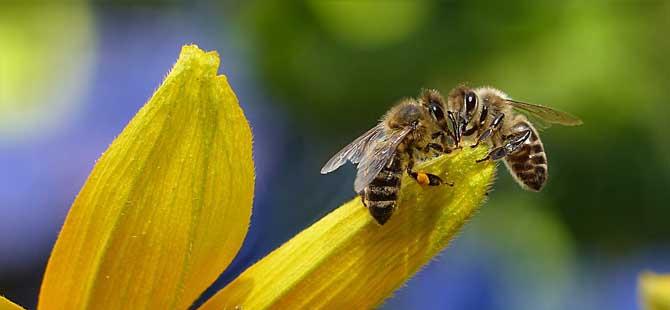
(412, 130)
(488, 114)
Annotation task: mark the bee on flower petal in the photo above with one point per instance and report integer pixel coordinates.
(488, 115)
(411, 130)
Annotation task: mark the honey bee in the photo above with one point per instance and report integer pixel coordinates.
(412, 130)
(488, 114)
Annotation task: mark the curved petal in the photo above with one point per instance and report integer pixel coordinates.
(6, 304)
(347, 261)
(166, 207)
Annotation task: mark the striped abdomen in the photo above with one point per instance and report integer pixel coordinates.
(381, 195)
(528, 164)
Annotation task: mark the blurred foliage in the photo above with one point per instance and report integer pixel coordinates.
(363, 25)
(318, 71)
(528, 240)
(44, 65)
(339, 66)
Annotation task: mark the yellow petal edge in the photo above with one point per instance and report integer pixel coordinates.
(166, 207)
(655, 291)
(6, 304)
(347, 261)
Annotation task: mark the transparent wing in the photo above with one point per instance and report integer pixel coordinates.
(545, 115)
(352, 152)
(538, 122)
(377, 155)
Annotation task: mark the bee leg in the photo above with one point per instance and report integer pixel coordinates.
(456, 126)
(425, 178)
(495, 126)
(437, 135)
(442, 142)
(495, 154)
(470, 131)
(487, 133)
(463, 123)
(510, 144)
(433, 146)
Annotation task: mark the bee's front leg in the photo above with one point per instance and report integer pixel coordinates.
(510, 144)
(455, 133)
(496, 124)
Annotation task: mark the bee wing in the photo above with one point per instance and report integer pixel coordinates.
(538, 122)
(544, 114)
(378, 155)
(354, 151)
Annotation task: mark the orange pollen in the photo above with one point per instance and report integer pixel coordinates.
(422, 178)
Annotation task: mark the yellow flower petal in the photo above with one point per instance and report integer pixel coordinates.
(6, 304)
(166, 207)
(347, 261)
(655, 291)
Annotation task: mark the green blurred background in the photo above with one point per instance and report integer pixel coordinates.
(312, 76)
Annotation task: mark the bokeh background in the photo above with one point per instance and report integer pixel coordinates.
(313, 76)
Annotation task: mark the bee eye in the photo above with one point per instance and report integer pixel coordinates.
(436, 112)
(470, 102)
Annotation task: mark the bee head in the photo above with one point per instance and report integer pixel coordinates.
(462, 103)
(436, 106)
(407, 113)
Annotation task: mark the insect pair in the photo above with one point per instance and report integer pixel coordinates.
(419, 128)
